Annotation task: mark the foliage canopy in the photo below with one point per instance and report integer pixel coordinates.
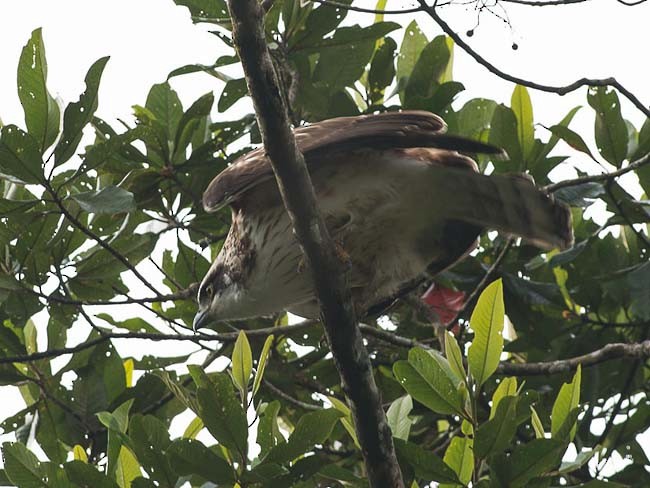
(79, 222)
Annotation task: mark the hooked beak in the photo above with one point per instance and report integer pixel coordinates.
(200, 319)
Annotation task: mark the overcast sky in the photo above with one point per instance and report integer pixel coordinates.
(146, 39)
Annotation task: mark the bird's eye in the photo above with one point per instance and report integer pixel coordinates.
(209, 290)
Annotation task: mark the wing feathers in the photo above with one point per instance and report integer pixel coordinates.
(319, 141)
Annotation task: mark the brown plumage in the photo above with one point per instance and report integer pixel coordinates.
(395, 193)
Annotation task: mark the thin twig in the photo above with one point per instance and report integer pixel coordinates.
(642, 161)
(294, 401)
(560, 90)
(344, 6)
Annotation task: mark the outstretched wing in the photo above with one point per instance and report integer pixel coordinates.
(321, 141)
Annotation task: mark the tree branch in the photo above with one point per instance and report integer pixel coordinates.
(344, 6)
(639, 350)
(330, 282)
(560, 90)
(224, 337)
(642, 161)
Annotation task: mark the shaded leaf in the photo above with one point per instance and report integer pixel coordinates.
(189, 457)
(108, 200)
(426, 464)
(610, 129)
(20, 159)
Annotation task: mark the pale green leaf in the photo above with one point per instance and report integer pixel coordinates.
(398, 417)
(507, 387)
(454, 356)
(261, 363)
(523, 110)
(567, 400)
(538, 427)
(487, 322)
(242, 364)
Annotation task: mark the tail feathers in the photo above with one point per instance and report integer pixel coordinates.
(511, 204)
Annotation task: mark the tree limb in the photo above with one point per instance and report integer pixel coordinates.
(330, 282)
(642, 161)
(639, 350)
(560, 90)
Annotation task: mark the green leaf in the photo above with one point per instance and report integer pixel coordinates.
(41, 110)
(487, 322)
(536, 422)
(312, 428)
(426, 464)
(151, 438)
(495, 435)
(22, 467)
(581, 459)
(454, 357)
(102, 263)
(78, 114)
(426, 380)
(507, 387)
(382, 70)
(87, 476)
(202, 10)
(527, 462)
(459, 456)
(346, 420)
(242, 365)
(261, 363)
(412, 45)
(79, 453)
(571, 138)
(426, 73)
(127, 469)
(165, 106)
(523, 110)
(503, 133)
(268, 432)
(232, 92)
(20, 159)
(190, 457)
(216, 394)
(109, 200)
(398, 417)
(610, 129)
(189, 123)
(567, 400)
(193, 429)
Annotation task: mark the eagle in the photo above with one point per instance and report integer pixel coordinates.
(399, 196)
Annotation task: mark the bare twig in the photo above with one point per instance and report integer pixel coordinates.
(560, 90)
(294, 401)
(330, 282)
(184, 294)
(633, 166)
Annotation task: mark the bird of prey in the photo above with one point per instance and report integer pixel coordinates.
(398, 195)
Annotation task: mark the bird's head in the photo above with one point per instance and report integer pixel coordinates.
(217, 296)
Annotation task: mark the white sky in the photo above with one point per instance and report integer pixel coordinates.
(146, 39)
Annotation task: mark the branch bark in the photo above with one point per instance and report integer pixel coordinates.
(330, 280)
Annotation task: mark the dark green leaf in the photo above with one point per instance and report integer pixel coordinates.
(232, 92)
(220, 410)
(412, 45)
(495, 435)
(189, 123)
(189, 457)
(571, 138)
(503, 133)
(382, 69)
(22, 467)
(108, 200)
(20, 158)
(78, 114)
(87, 476)
(610, 130)
(528, 461)
(41, 110)
(312, 428)
(426, 464)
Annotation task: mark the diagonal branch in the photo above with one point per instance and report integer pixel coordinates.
(560, 90)
(634, 165)
(330, 282)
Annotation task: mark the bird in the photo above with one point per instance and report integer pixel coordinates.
(399, 196)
